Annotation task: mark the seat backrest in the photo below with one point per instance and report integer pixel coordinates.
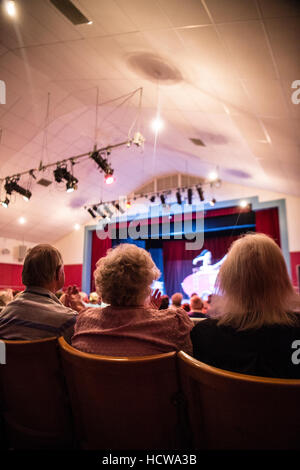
(122, 403)
(33, 395)
(228, 410)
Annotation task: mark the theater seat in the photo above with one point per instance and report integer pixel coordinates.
(123, 403)
(34, 401)
(234, 411)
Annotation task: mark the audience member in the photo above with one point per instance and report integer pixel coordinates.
(16, 292)
(197, 308)
(6, 296)
(176, 300)
(131, 325)
(256, 315)
(164, 302)
(37, 313)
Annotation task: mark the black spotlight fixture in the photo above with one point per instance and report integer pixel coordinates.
(12, 185)
(108, 210)
(200, 192)
(152, 198)
(178, 197)
(5, 202)
(162, 198)
(190, 195)
(61, 173)
(212, 202)
(118, 207)
(103, 164)
(92, 213)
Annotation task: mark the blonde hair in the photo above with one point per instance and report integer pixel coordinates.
(124, 276)
(254, 286)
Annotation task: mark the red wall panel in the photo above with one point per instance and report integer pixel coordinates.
(11, 275)
(295, 261)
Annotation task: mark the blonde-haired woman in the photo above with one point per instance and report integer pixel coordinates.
(132, 324)
(256, 324)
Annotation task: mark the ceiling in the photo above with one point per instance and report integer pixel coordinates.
(216, 70)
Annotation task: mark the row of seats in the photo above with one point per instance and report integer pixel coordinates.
(53, 396)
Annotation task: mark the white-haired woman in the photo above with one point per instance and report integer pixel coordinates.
(132, 324)
(256, 324)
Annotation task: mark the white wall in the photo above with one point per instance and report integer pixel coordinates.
(12, 245)
(71, 246)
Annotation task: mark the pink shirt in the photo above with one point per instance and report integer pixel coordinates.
(132, 331)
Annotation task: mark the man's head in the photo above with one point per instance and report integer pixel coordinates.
(43, 267)
(177, 299)
(196, 304)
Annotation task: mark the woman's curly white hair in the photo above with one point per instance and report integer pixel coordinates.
(124, 276)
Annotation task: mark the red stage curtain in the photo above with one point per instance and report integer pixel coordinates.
(267, 221)
(99, 249)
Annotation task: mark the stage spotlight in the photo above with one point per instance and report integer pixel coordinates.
(12, 185)
(212, 202)
(92, 213)
(128, 204)
(163, 199)
(108, 211)
(178, 197)
(200, 192)
(190, 195)
(71, 185)
(61, 173)
(5, 203)
(104, 165)
(118, 207)
(109, 179)
(152, 198)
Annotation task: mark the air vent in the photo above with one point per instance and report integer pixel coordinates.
(71, 12)
(44, 182)
(197, 142)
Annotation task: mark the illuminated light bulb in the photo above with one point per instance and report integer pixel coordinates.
(90, 22)
(213, 176)
(22, 220)
(26, 198)
(157, 124)
(128, 204)
(109, 179)
(10, 7)
(243, 204)
(76, 227)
